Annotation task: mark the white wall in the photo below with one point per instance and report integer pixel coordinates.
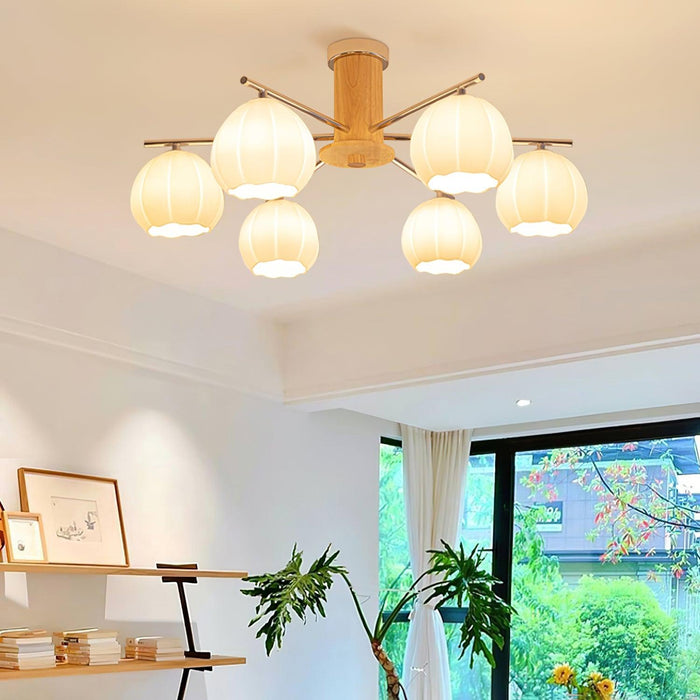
(71, 301)
(206, 475)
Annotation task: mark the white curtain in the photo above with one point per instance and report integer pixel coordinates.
(434, 471)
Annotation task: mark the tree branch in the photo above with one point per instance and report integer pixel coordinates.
(677, 524)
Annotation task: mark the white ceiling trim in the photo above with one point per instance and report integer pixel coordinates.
(602, 420)
(319, 400)
(56, 297)
(79, 342)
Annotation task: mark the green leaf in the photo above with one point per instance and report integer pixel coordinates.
(291, 591)
(463, 582)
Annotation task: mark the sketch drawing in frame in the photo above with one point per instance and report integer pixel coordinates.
(24, 538)
(82, 516)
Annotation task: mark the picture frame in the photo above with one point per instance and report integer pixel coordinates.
(82, 516)
(24, 538)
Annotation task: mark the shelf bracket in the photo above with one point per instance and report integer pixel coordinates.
(192, 652)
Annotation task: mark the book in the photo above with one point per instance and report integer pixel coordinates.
(25, 641)
(95, 646)
(161, 657)
(94, 657)
(23, 665)
(149, 652)
(159, 642)
(25, 648)
(154, 648)
(23, 655)
(23, 633)
(89, 635)
(113, 648)
(93, 662)
(116, 649)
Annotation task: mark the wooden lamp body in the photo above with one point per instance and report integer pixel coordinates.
(357, 66)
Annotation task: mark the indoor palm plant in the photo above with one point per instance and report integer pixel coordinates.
(453, 577)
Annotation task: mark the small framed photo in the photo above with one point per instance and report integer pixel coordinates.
(24, 538)
(82, 516)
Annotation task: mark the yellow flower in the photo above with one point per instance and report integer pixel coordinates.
(563, 674)
(595, 677)
(606, 687)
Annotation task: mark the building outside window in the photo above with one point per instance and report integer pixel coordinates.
(602, 567)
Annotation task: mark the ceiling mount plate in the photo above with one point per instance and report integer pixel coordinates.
(355, 45)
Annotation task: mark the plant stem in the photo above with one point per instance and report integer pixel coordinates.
(358, 607)
(409, 596)
(393, 684)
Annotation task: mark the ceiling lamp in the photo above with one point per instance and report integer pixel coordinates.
(263, 151)
(544, 195)
(441, 236)
(460, 144)
(278, 239)
(176, 195)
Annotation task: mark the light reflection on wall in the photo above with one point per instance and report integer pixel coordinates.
(165, 491)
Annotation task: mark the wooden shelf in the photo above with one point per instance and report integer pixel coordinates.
(124, 666)
(115, 571)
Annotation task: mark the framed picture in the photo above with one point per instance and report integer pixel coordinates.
(82, 516)
(24, 537)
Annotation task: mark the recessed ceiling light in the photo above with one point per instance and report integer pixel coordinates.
(521, 403)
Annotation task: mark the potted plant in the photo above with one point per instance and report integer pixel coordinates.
(593, 687)
(453, 577)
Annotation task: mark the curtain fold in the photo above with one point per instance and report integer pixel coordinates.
(435, 472)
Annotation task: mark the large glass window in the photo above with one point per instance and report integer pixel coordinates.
(604, 566)
(596, 536)
(394, 560)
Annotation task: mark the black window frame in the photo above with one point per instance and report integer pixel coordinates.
(505, 450)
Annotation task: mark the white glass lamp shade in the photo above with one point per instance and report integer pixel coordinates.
(175, 194)
(264, 151)
(441, 236)
(544, 195)
(461, 144)
(278, 239)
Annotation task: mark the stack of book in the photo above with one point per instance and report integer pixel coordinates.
(60, 646)
(23, 650)
(92, 647)
(154, 648)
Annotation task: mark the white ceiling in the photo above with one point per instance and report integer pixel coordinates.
(84, 83)
(561, 391)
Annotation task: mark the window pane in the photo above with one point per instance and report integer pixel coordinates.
(394, 558)
(467, 683)
(394, 565)
(477, 519)
(605, 568)
(395, 647)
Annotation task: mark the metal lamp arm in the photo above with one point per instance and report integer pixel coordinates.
(463, 85)
(289, 101)
(402, 165)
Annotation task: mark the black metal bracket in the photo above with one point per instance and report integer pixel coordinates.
(192, 652)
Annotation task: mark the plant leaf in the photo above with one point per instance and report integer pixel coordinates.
(289, 592)
(464, 583)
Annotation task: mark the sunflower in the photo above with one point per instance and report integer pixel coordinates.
(606, 687)
(563, 674)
